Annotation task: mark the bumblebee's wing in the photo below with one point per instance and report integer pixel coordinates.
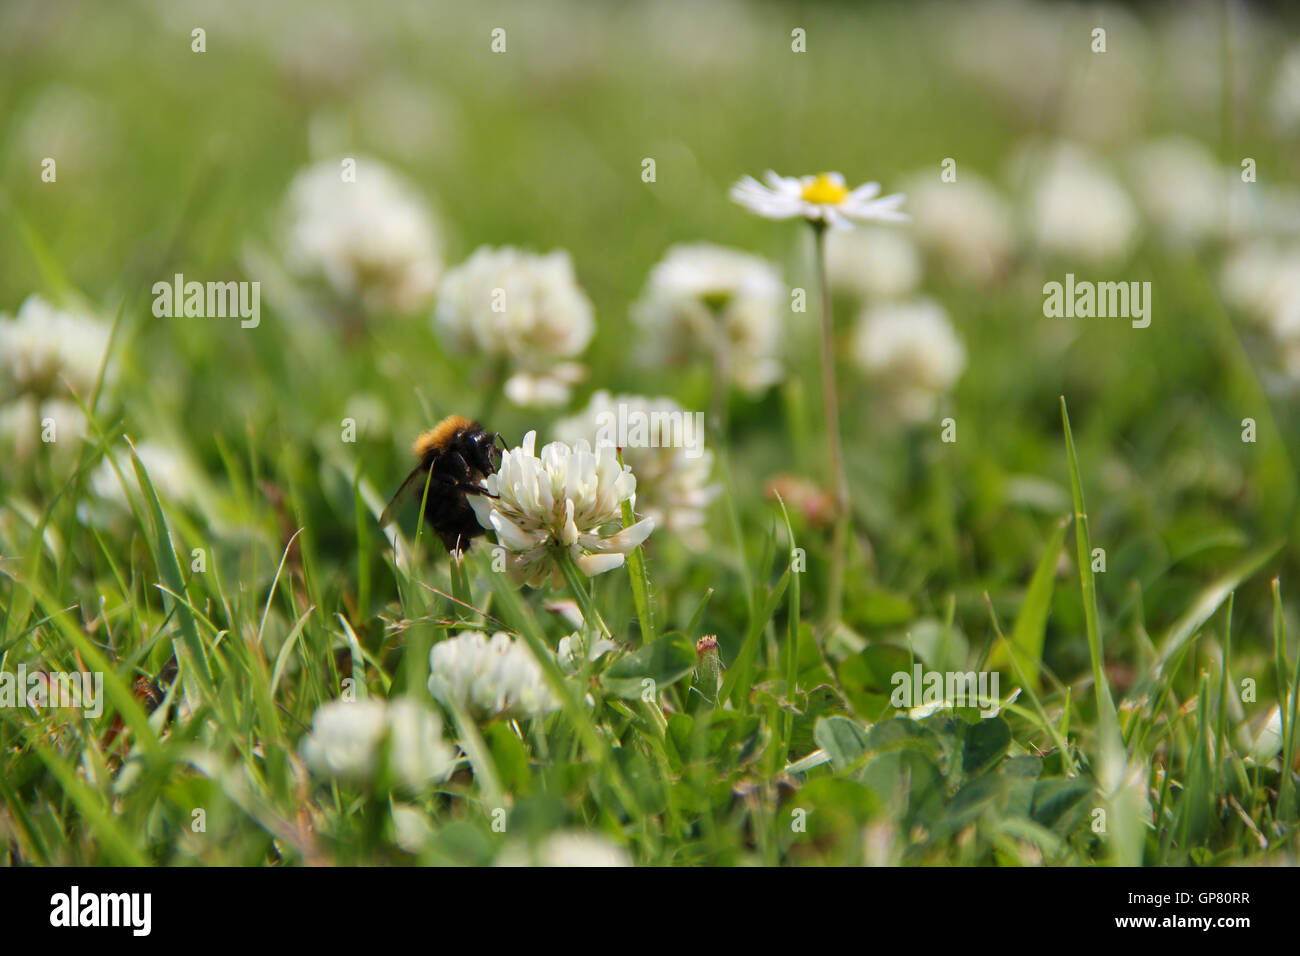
(414, 481)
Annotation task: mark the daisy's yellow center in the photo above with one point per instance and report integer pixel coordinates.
(824, 191)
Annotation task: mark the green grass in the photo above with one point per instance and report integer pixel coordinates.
(1141, 687)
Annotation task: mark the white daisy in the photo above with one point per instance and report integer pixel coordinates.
(821, 198)
(371, 241)
(911, 351)
(347, 742)
(567, 498)
(672, 479)
(521, 308)
(491, 677)
(699, 291)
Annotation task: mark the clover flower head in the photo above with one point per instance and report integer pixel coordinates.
(701, 296)
(823, 198)
(568, 498)
(491, 677)
(371, 240)
(1077, 209)
(43, 346)
(27, 421)
(347, 740)
(170, 472)
(911, 351)
(1182, 190)
(967, 227)
(873, 263)
(524, 310)
(566, 848)
(569, 654)
(664, 451)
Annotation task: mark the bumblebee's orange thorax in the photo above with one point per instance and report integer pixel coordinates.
(438, 437)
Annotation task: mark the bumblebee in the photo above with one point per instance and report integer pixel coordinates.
(455, 455)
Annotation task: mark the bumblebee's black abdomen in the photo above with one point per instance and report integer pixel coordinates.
(449, 513)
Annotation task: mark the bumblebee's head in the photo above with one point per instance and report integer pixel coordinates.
(483, 453)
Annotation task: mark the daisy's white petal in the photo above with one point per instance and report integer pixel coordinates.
(823, 197)
(836, 219)
(881, 210)
(788, 185)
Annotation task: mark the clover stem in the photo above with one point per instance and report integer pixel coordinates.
(577, 584)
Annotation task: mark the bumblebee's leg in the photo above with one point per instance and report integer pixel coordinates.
(475, 490)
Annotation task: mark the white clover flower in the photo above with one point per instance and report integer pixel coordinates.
(1182, 190)
(664, 448)
(347, 741)
(966, 225)
(371, 241)
(1267, 743)
(567, 498)
(521, 308)
(821, 198)
(912, 352)
(43, 346)
(27, 422)
(872, 263)
(170, 472)
(569, 653)
(491, 677)
(1262, 280)
(699, 291)
(69, 123)
(1284, 103)
(571, 848)
(1023, 70)
(1077, 209)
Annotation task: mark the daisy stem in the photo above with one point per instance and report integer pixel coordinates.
(835, 454)
(721, 373)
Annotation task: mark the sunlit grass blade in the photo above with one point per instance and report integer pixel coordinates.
(1088, 583)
